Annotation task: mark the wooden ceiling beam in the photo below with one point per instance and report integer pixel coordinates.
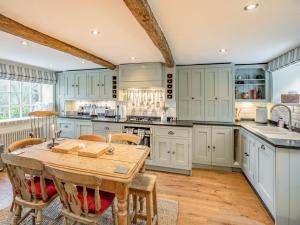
(10, 26)
(142, 12)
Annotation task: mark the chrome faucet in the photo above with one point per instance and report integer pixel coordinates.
(289, 111)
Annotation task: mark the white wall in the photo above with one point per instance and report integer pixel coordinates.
(285, 80)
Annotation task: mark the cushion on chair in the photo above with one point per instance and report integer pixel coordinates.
(50, 188)
(106, 200)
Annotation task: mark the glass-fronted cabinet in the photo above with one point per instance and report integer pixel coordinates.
(251, 83)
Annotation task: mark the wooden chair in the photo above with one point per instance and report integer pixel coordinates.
(80, 194)
(40, 122)
(125, 138)
(31, 188)
(92, 137)
(23, 144)
(143, 185)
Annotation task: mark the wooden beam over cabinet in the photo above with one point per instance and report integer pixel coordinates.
(142, 12)
(15, 28)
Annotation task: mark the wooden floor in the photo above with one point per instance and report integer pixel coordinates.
(206, 197)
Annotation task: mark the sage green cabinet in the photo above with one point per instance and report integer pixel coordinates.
(99, 84)
(190, 94)
(205, 93)
(76, 85)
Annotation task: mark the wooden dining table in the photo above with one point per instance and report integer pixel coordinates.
(106, 166)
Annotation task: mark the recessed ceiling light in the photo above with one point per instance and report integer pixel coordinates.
(133, 58)
(82, 62)
(251, 6)
(95, 32)
(24, 43)
(222, 50)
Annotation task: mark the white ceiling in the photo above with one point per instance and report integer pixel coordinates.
(195, 30)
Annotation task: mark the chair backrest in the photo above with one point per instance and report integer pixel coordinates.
(125, 138)
(92, 137)
(41, 121)
(23, 143)
(67, 184)
(22, 172)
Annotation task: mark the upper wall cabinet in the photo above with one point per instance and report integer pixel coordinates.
(89, 84)
(251, 83)
(146, 75)
(205, 93)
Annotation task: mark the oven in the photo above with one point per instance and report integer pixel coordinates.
(144, 132)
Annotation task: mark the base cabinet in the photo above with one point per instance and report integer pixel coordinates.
(259, 167)
(67, 128)
(103, 129)
(213, 145)
(83, 127)
(170, 150)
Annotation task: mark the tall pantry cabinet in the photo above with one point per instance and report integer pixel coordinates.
(205, 93)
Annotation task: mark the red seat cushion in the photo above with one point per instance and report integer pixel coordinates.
(106, 200)
(50, 188)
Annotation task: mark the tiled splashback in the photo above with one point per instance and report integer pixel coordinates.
(248, 111)
(148, 102)
(72, 106)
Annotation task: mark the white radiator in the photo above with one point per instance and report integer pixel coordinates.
(13, 136)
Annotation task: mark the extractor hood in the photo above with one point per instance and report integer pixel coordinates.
(144, 75)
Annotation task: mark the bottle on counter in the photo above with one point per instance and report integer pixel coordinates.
(280, 122)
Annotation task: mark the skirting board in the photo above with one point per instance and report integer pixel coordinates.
(170, 170)
(203, 166)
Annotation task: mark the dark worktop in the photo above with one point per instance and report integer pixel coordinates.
(278, 143)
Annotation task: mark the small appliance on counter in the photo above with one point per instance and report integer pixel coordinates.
(261, 114)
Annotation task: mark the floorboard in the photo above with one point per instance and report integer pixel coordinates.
(207, 197)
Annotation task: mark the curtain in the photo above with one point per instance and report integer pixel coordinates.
(21, 72)
(291, 57)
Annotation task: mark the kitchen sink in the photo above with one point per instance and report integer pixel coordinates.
(275, 132)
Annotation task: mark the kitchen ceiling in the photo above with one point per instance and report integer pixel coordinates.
(195, 29)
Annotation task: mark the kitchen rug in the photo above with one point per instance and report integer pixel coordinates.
(167, 214)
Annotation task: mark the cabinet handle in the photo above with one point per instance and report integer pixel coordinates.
(193, 98)
(263, 147)
(168, 152)
(173, 153)
(77, 85)
(73, 85)
(214, 147)
(171, 132)
(98, 85)
(246, 154)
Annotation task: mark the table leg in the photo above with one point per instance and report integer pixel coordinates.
(122, 196)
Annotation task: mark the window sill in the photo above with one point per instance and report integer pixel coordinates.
(14, 121)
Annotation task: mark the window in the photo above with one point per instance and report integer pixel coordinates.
(18, 98)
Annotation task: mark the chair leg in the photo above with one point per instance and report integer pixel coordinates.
(17, 215)
(33, 214)
(39, 217)
(141, 200)
(155, 204)
(65, 221)
(148, 209)
(114, 212)
(134, 208)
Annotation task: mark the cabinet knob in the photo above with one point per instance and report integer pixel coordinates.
(73, 85)
(168, 152)
(263, 147)
(193, 98)
(214, 147)
(216, 98)
(171, 132)
(208, 146)
(102, 85)
(98, 85)
(246, 154)
(173, 153)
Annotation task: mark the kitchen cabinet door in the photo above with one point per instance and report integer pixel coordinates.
(245, 153)
(93, 84)
(202, 145)
(211, 94)
(69, 84)
(184, 94)
(224, 102)
(179, 153)
(83, 127)
(252, 160)
(197, 94)
(60, 93)
(163, 151)
(81, 85)
(222, 146)
(67, 128)
(266, 174)
(106, 85)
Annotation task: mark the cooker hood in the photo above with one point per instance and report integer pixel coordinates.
(142, 76)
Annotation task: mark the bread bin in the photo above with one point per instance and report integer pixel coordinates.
(261, 114)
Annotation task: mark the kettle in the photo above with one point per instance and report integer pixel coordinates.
(261, 114)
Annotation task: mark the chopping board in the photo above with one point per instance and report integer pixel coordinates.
(67, 146)
(93, 149)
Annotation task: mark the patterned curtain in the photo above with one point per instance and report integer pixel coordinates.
(15, 71)
(284, 60)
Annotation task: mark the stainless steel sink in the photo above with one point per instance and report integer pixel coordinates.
(275, 132)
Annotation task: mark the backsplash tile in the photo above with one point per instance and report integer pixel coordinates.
(248, 111)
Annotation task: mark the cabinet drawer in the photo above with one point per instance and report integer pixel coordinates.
(99, 127)
(173, 132)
